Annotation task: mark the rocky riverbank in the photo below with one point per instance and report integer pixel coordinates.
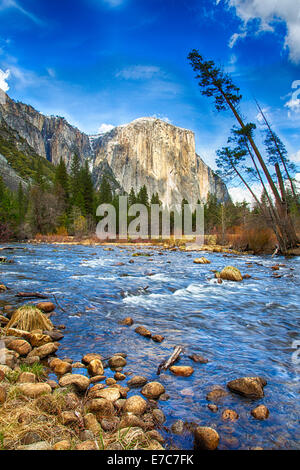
(73, 411)
(104, 400)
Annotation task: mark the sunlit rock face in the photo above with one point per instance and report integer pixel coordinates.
(146, 151)
(161, 156)
(51, 137)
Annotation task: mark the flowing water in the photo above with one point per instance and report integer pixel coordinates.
(243, 329)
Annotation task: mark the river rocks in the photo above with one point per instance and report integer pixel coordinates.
(34, 390)
(95, 367)
(90, 357)
(178, 427)
(94, 391)
(153, 390)
(212, 407)
(62, 445)
(110, 381)
(39, 339)
(216, 393)
(60, 367)
(231, 273)
(206, 438)
(3, 320)
(141, 330)
(2, 394)
(80, 382)
(250, 387)
(86, 435)
(198, 358)
(137, 381)
(30, 438)
(128, 321)
(27, 377)
(68, 417)
(117, 361)
(159, 416)
(261, 412)
(87, 445)
(97, 378)
(158, 338)
(201, 260)
(110, 424)
(42, 445)
(136, 405)
(130, 420)
(46, 307)
(229, 415)
(110, 393)
(155, 435)
(118, 376)
(182, 371)
(21, 346)
(91, 423)
(101, 407)
(45, 350)
(55, 335)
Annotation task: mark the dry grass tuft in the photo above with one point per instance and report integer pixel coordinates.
(29, 318)
(21, 415)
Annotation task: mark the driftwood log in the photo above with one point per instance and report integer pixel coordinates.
(164, 365)
(32, 295)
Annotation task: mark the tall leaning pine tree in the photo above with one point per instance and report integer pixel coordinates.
(218, 85)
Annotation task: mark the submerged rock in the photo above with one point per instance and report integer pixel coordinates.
(250, 387)
(141, 330)
(182, 371)
(201, 260)
(153, 390)
(231, 273)
(230, 415)
(206, 438)
(137, 381)
(261, 412)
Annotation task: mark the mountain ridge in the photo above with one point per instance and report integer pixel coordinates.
(146, 151)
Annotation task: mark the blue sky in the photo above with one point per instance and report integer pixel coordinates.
(106, 62)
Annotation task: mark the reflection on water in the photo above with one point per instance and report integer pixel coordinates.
(244, 329)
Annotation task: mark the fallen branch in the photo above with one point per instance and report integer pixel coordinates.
(59, 306)
(172, 359)
(276, 251)
(31, 295)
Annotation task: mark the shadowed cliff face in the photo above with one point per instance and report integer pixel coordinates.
(147, 151)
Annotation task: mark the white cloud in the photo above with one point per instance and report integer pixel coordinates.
(139, 72)
(294, 103)
(7, 4)
(105, 128)
(296, 157)
(3, 80)
(241, 193)
(267, 13)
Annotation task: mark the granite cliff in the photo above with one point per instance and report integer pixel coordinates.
(146, 151)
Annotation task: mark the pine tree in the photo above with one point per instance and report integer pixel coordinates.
(105, 193)
(142, 197)
(131, 197)
(87, 189)
(62, 180)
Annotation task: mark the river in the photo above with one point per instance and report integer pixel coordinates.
(243, 329)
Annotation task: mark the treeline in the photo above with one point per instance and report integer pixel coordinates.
(64, 204)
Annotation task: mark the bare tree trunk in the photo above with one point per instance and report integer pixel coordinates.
(289, 237)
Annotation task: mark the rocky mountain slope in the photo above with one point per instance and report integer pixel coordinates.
(146, 151)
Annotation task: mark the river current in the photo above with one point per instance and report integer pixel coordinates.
(243, 329)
